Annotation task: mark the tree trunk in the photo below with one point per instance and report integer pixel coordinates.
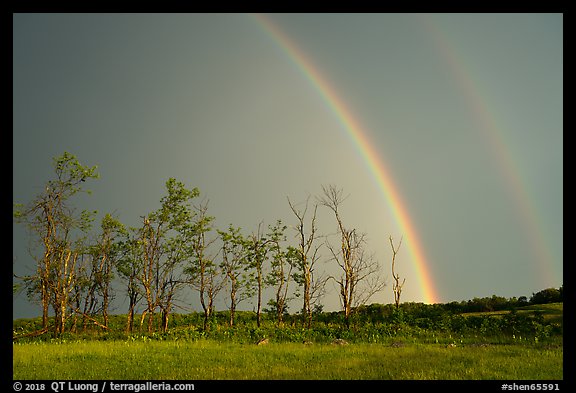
(45, 304)
(165, 316)
(259, 309)
(130, 319)
(232, 307)
(232, 310)
(205, 323)
(105, 302)
(150, 322)
(62, 316)
(307, 308)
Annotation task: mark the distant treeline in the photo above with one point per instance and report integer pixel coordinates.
(498, 303)
(475, 305)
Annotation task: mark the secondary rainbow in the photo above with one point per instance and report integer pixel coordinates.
(494, 135)
(370, 156)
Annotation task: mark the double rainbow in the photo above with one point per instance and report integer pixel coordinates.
(369, 155)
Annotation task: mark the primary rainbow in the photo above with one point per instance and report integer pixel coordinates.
(370, 156)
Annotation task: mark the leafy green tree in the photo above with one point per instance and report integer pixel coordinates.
(548, 295)
(234, 264)
(479, 305)
(203, 272)
(282, 263)
(129, 266)
(498, 303)
(164, 243)
(59, 233)
(258, 245)
(109, 251)
(92, 292)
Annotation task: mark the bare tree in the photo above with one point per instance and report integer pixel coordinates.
(306, 258)
(360, 278)
(396, 287)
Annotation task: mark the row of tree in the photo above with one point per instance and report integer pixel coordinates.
(177, 246)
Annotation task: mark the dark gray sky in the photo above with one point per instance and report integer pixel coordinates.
(465, 110)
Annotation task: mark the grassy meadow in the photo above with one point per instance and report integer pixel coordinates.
(207, 359)
(525, 344)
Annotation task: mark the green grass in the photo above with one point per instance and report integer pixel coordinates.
(206, 360)
(496, 346)
(551, 312)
